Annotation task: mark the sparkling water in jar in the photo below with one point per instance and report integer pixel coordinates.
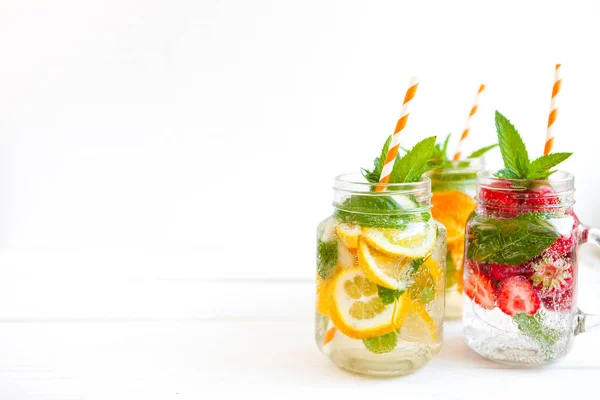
(380, 278)
(520, 277)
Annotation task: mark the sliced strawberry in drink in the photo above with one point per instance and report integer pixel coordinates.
(499, 272)
(481, 290)
(516, 295)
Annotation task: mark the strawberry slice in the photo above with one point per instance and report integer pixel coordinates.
(516, 295)
(480, 289)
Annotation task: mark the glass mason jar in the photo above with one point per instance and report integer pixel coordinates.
(453, 202)
(380, 278)
(520, 303)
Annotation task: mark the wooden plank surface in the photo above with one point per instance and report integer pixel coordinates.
(191, 339)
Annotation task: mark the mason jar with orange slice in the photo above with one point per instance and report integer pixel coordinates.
(380, 274)
(453, 187)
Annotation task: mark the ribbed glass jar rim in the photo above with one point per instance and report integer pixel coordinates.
(410, 197)
(356, 183)
(458, 170)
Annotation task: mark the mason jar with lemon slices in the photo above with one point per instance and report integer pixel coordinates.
(380, 277)
(453, 202)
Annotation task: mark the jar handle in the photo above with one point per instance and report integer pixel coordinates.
(586, 322)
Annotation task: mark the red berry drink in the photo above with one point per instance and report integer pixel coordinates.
(520, 285)
(521, 259)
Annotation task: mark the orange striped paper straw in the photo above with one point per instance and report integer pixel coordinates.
(465, 133)
(553, 110)
(395, 144)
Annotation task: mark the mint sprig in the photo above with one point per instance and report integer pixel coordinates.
(516, 158)
(408, 168)
(373, 176)
(506, 173)
(439, 158)
(415, 163)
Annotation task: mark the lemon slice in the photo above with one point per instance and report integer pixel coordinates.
(387, 271)
(415, 241)
(348, 234)
(356, 309)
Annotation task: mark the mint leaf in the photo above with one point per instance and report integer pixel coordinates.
(381, 344)
(512, 147)
(327, 255)
(534, 327)
(482, 151)
(540, 167)
(516, 160)
(439, 157)
(445, 147)
(380, 161)
(413, 164)
(506, 173)
(373, 212)
(373, 176)
(370, 204)
(388, 296)
(509, 241)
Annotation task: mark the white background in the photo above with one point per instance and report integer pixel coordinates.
(216, 127)
(144, 141)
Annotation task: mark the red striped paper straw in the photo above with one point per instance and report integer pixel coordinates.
(465, 133)
(400, 125)
(553, 111)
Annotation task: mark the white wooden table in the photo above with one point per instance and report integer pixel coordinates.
(155, 338)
